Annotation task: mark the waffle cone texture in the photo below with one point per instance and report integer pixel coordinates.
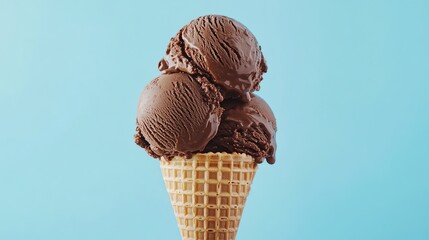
(208, 193)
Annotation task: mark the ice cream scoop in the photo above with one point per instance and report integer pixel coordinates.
(220, 48)
(248, 128)
(177, 115)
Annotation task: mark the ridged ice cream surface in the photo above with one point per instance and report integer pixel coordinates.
(247, 128)
(176, 117)
(221, 48)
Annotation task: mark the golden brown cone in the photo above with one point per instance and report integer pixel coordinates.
(208, 193)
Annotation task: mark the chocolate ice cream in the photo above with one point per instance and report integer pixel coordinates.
(177, 115)
(220, 48)
(203, 101)
(201, 119)
(246, 128)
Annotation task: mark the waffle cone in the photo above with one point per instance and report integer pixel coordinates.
(208, 193)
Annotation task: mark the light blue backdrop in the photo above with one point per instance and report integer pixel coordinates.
(348, 82)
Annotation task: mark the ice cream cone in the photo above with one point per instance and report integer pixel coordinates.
(208, 193)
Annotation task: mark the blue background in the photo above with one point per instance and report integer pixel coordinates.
(348, 82)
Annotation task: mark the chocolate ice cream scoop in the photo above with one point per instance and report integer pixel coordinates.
(220, 48)
(177, 115)
(248, 128)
